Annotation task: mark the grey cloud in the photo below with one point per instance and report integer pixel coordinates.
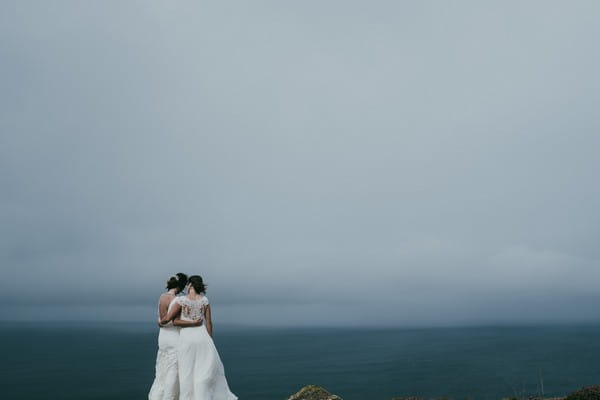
(410, 162)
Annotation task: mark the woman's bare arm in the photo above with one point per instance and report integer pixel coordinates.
(171, 314)
(208, 319)
(186, 324)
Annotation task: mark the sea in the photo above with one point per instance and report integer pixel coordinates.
(102, 360)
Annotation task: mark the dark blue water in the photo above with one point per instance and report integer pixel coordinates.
(103, 361)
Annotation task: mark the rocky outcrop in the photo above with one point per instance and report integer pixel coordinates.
(587, 393)
(313, 392)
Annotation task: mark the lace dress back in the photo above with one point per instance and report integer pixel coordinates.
(201, 371)
(192, 310)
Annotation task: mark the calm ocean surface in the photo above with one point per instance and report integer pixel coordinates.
(101, 361)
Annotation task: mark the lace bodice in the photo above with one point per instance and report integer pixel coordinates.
(192, 310)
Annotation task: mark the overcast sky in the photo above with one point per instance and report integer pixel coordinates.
(317, 162)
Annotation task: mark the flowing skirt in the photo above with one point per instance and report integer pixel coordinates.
(166, 382)
(201, 372)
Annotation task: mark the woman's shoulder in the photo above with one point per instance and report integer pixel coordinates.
(201, 299)
(166, 297)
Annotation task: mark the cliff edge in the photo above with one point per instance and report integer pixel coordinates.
(314, 392)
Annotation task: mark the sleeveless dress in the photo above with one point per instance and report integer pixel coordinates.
(166, 382)
(201, 372)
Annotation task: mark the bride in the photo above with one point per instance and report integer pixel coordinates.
(201, 372)
(166, 382)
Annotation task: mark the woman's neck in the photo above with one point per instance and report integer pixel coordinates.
(192, 294)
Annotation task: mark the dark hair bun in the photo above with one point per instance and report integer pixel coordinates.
(179, 280)
(197, 283)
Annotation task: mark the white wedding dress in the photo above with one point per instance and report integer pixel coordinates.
(201, 372)
(166, 382)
